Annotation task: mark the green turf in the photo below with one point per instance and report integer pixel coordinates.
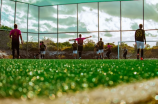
(47, 78)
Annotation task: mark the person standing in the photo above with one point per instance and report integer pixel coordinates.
(96, 49)
(15, 34)
(74, 46)
(37, 54)
(124, 52)
(80, 44)
(109, 50)
(42, 49)
(101, 48)
(139, 40)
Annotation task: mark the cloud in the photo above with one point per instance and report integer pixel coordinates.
(88, 18)
(68, 21)
(134, 26)
(108, 34)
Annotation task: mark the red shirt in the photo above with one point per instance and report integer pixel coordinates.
(15, 33)
(80, 40)
(109, 47)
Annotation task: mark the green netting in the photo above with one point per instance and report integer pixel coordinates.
(61, 2)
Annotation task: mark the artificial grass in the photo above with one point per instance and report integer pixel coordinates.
(51, 78)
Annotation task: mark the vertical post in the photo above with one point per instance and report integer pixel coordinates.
(118, 50)
(27, 29)
(120, 22)
(15, 14)
(120, 28)
(77, 20)
(38, 25)
(98, 22)
(0, 13)
(143, 14)
(57, 30)
(77, 29)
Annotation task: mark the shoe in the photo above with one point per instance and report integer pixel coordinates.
(138, 56)
(141, 58)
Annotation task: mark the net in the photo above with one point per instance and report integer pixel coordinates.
(150, 50)
(61, 2)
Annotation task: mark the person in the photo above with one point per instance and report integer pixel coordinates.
(74, 45)
(124, 52)
(109, 50)
(15, 34)
(37, 54)
(80, 44)
(42, 49)
(96, 49)
(139, 40)
(101, 48)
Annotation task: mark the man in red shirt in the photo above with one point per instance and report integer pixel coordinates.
(109, 50)
(80, 44)
(15, 34)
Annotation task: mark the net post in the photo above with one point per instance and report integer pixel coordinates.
(118, 50)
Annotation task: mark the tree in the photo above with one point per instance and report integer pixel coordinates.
(89, 45)
(5, 41)
(5, 27)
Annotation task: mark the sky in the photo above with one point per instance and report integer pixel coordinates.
(109, 20)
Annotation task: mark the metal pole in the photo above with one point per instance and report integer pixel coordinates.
(77, 29)
(120, 22)
(143, 14)
(120, 28)
(77, 20)
(15, 14)
(118, 50)
(38, 25)
(0, 13)
(98, 22)
(57, 30)
(27, 28)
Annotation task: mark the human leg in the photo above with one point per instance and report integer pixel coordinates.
(80, 48)
(17, 48)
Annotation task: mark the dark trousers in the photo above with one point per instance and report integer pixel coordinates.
(15, 46)
(108, 54)
(142, 52)
(80, 49)
(124, 55)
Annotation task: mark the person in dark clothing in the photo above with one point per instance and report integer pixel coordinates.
(109, 50)
(124, 52)
(101, 48)
(80, 44)
(139, 40)
(75, 45)
(43, 50)
(15, 34)
(97, 51)
(37, 54)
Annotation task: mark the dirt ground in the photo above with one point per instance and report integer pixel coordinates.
(53, 54)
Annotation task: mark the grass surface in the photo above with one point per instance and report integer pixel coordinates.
(52, 78)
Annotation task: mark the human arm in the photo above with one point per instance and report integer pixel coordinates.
(103, 46)
(10, 35)
(88, 37)
(71, 39)
(21, 39)
(144, 38)
(45, 47)
(135, 38)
